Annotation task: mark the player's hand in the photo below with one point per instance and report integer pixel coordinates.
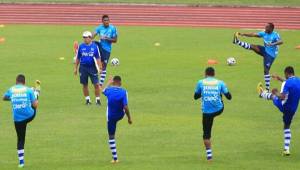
(75, 72)
(270, 44)
(274, 91)
(276, 77)
(110, 80)
(129, 121)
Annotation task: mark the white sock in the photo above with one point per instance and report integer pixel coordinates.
(87, 98)
(97, 98)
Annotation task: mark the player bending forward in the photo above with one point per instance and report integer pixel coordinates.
(210, 91)
(24, 104)
(286, 101)
(269, 51)
(117, 107)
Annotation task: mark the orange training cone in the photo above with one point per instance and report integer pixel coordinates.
(211, 62)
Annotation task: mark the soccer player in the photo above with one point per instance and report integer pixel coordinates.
(210, 91)
(108, 34)
(117, 107)
(286, 101)
(88, 56)
(24, 104)
(269, 51)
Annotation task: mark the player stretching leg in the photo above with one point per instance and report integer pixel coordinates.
(24, 104)
(269, 51)
(117, 107)
(286, 101)
(210, 91)
(108, 34)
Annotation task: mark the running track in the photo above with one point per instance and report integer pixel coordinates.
(151, 15)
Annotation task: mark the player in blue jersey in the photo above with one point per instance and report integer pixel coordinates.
(89, 59)
(108, 34)
(286, 101)
(210, 90)
(117, 107)
(24, 104)
(269, 51)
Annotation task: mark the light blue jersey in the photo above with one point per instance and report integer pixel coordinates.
(211, 90)
(270, 38)
(21, 98)
(110, 32)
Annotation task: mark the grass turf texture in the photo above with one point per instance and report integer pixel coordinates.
(189, 2)
(167, 132)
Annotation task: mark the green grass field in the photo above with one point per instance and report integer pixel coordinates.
(167, 130)
(291, 3)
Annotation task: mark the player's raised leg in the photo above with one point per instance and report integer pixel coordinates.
(245, 45)
(286, 101)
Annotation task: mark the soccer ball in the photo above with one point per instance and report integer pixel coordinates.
(114, 62)
(231, 61)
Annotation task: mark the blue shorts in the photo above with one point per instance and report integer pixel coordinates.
(104, 54)
(268, 60)
(112, 124)
(287, 115)
(86, 72)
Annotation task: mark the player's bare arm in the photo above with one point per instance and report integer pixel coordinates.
(278, 78)
(94, 35)
(99, 63)
(76, 67)
(280, 42)
(113, 40)
(126, 109)
(249, 34)
(35, 104)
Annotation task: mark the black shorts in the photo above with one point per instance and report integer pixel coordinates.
(207, 122)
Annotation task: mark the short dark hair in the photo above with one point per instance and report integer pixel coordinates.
(289, 70)
(209, 71)
(271, 25)
(104, 16)
(117, 79)
(20, 79)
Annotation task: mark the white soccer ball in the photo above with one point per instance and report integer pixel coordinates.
(114, 62)
(231, 61)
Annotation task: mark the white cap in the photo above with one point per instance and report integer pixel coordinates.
(87, 34)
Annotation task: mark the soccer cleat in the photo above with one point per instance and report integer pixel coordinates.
(286, 153)
(259, 88)
(37, 85)
(21, 165)
(37, 89)
(114, 161)
(88, 102)
(235, 37)
(98, 103)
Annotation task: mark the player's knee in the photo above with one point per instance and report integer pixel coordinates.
(97, 86)
(112, 136)
(206, 136)
(266, 70)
